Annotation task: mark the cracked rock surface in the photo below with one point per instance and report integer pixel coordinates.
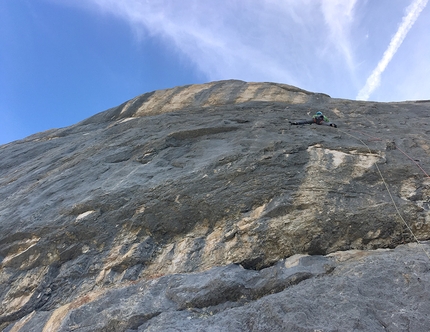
(199, 208)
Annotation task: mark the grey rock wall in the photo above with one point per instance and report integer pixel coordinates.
(183, 208)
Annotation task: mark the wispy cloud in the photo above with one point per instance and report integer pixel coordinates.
(339, 16)
(219, 40)
(252, 40)
(374, 80)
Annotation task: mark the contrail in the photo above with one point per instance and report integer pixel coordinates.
(373, 81)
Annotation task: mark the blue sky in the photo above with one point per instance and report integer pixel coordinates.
(62, 61)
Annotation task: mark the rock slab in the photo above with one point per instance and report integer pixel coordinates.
(187, 209)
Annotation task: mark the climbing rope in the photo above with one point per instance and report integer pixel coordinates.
(373, 138)
(413, 161)
(389, 192)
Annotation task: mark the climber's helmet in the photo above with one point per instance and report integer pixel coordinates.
(319, 113)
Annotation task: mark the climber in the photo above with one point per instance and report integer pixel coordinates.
(318, 118)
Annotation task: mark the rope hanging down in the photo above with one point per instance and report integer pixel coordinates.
(389, 193)
(419, 166)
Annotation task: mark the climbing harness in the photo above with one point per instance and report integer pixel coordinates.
(389, 192)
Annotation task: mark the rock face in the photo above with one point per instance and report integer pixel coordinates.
(200, 208)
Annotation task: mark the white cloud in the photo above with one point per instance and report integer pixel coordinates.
(253, 40)
(374, 80)
(211, 36)
(339, 16)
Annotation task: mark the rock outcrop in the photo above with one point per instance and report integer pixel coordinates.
(200, 208)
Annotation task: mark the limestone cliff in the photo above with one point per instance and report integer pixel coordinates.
(200, 208)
